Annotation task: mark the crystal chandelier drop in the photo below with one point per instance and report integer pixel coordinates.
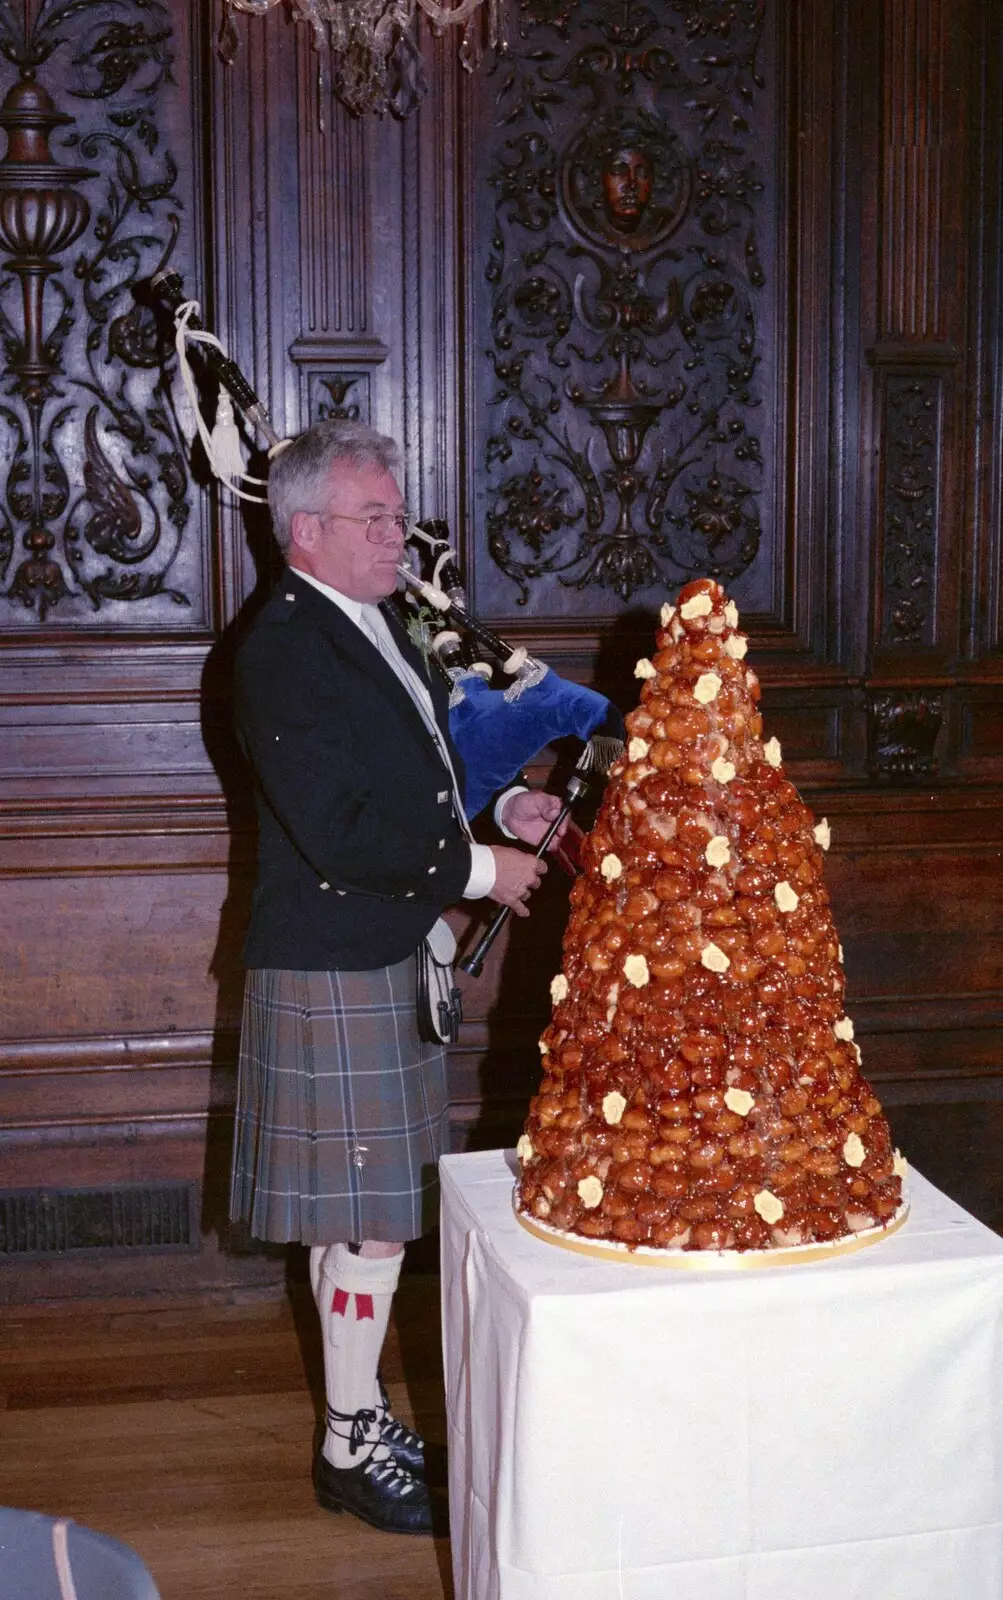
(371, 45)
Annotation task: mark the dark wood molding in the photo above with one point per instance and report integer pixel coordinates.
(902, 355)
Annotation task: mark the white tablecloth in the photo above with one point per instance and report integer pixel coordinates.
(821, 1432)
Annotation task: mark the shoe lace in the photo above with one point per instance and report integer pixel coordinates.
(360, 1423)
(390, 1476)
(392, 1430)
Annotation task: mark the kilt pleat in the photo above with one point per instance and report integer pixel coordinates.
(342, 1110)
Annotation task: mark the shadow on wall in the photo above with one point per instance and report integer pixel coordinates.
(225, 968)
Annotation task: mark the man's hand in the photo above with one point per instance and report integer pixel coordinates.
(529, 814)
(516, 876)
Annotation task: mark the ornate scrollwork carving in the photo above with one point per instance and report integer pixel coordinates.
(624, 269)
(903, 725)
(85, 397)
(912, 464)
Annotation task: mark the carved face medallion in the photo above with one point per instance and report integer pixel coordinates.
(626, 181)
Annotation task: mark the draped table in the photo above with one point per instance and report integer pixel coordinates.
(817, 1432)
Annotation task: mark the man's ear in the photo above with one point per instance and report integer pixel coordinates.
(304, 530)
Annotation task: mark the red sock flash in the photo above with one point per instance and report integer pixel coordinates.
(363, 1305)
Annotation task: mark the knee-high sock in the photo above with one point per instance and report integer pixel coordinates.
(353, 1295)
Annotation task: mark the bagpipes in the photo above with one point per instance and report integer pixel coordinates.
(496, 731)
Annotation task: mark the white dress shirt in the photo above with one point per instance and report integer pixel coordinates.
(370, 622)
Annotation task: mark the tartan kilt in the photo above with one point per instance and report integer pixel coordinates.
(342, 1111)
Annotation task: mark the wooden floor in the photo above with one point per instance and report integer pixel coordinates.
(186, 1430)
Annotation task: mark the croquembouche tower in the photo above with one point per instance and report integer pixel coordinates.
(701, 1084)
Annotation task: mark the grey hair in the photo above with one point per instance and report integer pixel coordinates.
(299, 476)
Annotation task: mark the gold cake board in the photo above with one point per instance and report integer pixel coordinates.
(711, 1260)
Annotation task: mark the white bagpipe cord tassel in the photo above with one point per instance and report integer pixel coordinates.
(222, 446)
(225, 455)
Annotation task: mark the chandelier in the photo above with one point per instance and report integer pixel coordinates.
(371, 45)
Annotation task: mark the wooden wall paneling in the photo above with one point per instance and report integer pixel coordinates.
(834, 84)
(982, 568)
(333, 338)
(809, 659)
(101, 526)
(114, 846)
(554, 262)
(369, 315)
(924, 61)
(253, 287)
(980, 732)
(917, 885)
(810, 171)
(430, 270)
(929, 130)
(974, 746)
(814, 427)
(346, 269)
(119, 1025)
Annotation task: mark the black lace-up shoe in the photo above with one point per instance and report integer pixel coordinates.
(406, 1446)
(379, 1492)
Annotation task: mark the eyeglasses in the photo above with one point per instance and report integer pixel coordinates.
(383, 527)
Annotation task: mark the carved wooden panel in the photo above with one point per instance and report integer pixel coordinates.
(909, 508)
(100, 522)
(625, 292)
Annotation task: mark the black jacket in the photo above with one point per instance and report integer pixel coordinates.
(358, 848)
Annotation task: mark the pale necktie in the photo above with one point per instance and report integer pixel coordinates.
(376, 628)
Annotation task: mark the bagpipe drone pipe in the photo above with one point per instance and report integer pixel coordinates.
(496, 730)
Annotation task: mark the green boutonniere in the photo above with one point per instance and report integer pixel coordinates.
(422, 624)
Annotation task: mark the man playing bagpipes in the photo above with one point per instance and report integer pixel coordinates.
(363, 841)
(359, 758)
